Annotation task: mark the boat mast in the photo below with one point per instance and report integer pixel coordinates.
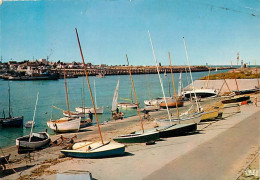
(160, 78)
(191, 76)
(257, 75)
(66, 91)
(9, 100)
(83, 96)
(187, 77)
(173, 84)
(95, 93)
(179, 88)
(86, 73)
(34, 116)
(138, 109)
(208, 78)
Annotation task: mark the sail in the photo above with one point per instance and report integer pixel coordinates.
(179, 88)
(114, 102)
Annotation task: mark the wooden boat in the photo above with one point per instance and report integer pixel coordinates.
(11, 121)
(235, 99)
(155, 102)
(172, 103)
(4, 160)
(211, 115)
(65, 124)
(138, 138)
(100, 75)
(34, 142)
(95, 150)
(98, 149)
(173, 130)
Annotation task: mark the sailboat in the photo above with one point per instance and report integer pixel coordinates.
(65, 124)
(33, 141)
(115, 114)
(187, 118)
(86, 110)
(96, 149)
(127, 105)
(142, 137)
(11, 121)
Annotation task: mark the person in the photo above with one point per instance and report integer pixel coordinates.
(255, 101)
(146, 115)
(117, 110)
(90, 115)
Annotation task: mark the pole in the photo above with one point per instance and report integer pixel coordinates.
(9, 100)
(86, 73)
(173, 84)
(34, 116)
(66, 91)
(154, 56)
(191, 75)
(138, 109)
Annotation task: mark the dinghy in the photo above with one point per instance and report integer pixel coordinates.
(95, 150)
(65, 124)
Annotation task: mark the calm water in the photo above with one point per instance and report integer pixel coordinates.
(23, 97)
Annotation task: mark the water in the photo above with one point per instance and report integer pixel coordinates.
(23, 97)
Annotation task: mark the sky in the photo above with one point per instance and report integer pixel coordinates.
(214, 31)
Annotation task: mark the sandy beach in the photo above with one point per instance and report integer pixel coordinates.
(233, 139)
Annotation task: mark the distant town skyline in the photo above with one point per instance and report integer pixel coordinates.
(214, 31)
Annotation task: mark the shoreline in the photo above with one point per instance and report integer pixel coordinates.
(109, 130)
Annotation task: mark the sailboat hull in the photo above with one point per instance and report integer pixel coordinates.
(95, 150)
(12, 122)
(127, 105)
(65, 125)
(99, 110)
(203, 93)
(236, 99)
(172, 131)
(38, 141)
(172, 104)
(137, 138)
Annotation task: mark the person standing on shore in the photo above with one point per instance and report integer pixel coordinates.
(90, 116)
(255, 101)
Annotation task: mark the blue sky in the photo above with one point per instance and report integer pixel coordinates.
(214, 31)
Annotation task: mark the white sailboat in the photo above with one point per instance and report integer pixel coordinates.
(87, 110)
(65, 124)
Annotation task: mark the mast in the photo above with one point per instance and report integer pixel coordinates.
(179, 88)
(257, 74)
(208, 78)
(176, 100)
(160, 78)
(9, 101)
(138, 109)
(187, 77)
(34, 116)
(86, 73)
(66, 91)
(95, 93)
(191, 76)
(83, 102)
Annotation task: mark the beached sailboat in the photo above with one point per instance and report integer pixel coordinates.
(98, 149)
(127, 105)
(170, 128)
(87, 110)
(10, 121)
(138, 137)
(33, 141)
(65, 124)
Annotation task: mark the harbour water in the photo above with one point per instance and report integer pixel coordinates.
(23, 97)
